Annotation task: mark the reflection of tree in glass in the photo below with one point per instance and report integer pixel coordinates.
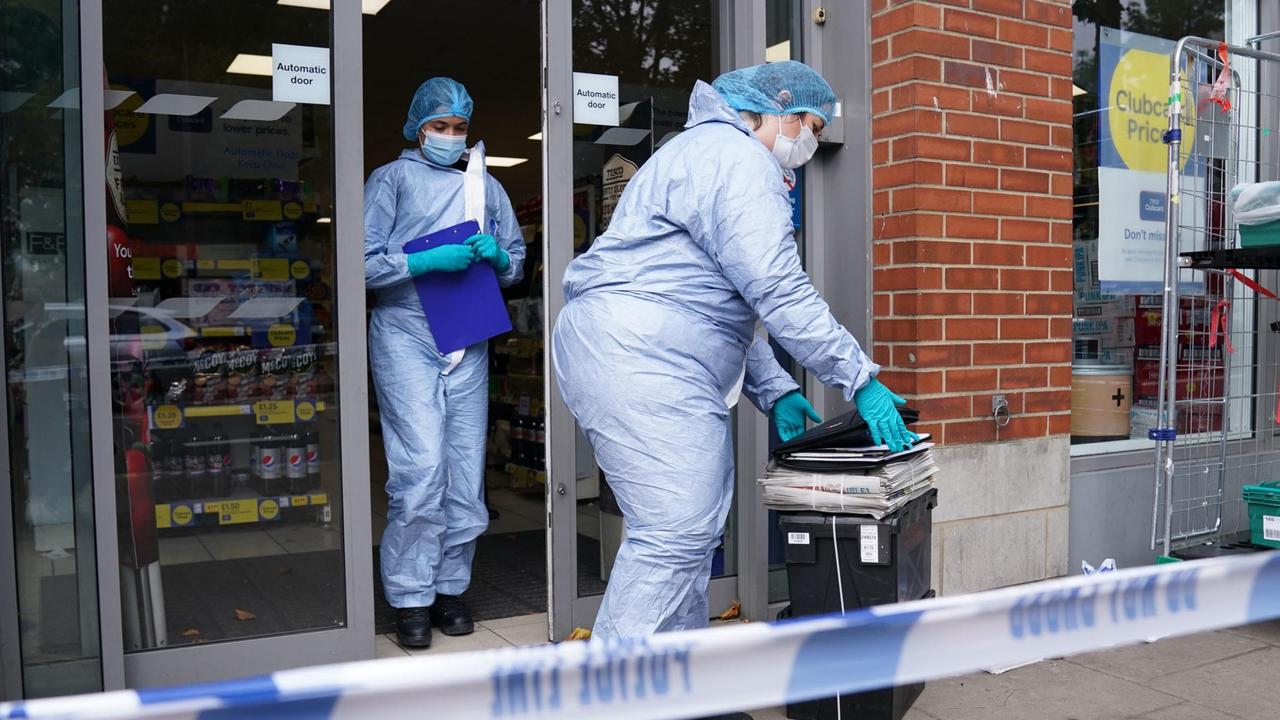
(652, 42)
(1176, 19)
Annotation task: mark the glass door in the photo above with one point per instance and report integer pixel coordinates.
(652, 53)
(49, 622)
(235, 328)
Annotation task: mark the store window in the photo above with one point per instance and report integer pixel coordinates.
(46, 393)
(223, 325)
(1121, 87)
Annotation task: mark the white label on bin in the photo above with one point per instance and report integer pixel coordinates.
(1271, 527)
(797, 538)
(870, 543)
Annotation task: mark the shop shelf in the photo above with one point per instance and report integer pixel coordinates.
(525, 476)
(233, 511)
(154, 267)
(1254, 258)
(268, 412)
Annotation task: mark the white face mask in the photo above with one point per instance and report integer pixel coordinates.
(791, 153)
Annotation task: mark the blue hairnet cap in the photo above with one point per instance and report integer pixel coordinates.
(780, 88)
(436, 98)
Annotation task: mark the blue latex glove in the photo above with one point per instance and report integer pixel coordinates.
(446, 258)
(487, 249)
(789, 414)
(878, 406)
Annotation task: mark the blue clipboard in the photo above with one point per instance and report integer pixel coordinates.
(462, 308)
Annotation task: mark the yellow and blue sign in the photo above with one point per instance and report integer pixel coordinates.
(1135, 102)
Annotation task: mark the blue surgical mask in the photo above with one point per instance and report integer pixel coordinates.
(443, 149)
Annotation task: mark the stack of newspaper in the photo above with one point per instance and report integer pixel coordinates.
(823, 471)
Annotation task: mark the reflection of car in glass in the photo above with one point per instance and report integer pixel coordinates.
(53, 341)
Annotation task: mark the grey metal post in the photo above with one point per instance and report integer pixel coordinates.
(348, 225)
(557, 245)
(98, 345)
(752, 433)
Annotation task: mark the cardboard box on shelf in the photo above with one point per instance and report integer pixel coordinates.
(1116, 356)
(1195, 382)
(1085, 265)
(1115, 332)
(1142, 417)
(1121, 308)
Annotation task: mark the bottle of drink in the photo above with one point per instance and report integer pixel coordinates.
(270, 472)
(217, 463)
(540, 442)
(196, 464)
(517, 440)
(174, 466)
(255, 460)
(312, 440)
(295, 469)
(161, 483)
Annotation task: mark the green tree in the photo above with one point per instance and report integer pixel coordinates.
(1176, 19)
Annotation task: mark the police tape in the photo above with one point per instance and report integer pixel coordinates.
(690, 674)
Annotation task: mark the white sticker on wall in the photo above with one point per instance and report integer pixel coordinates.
(797, 538)
(300, 74)
(870, 545)
(595, 99)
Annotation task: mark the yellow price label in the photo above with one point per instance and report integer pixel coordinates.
(262, 210)
(274, 412)
(306, 411)
(269, 509)
(170, 212)
(146, 268)
(206, 264)
(173, 268)
(281, 335)
(271, 268)
(221, 331)
(298, 501)
(142, 212)
(163, 517)
(168, 417)
(300, 269)
(235, 512)
(153, 337)
(182, 515)
(292, 210)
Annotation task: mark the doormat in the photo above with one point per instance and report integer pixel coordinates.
(252, 597)
(508, 577)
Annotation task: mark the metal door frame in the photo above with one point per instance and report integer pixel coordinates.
(741, 42)
(257, 655)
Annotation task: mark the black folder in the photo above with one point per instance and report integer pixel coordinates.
(845, 431)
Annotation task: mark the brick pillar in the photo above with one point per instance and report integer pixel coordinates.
(971, 154)
(972, 198)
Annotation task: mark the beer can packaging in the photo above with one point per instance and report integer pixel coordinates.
(242, 375)
(210, 376)
(275, 374)
(303, 363)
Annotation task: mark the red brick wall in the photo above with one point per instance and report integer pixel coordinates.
(971, 155)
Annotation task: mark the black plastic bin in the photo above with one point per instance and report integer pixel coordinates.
(891, 567)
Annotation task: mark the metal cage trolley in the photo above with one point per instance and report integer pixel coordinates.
(1218, 408)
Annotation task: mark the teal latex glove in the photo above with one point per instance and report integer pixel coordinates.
(487, 249)
(879, 407)
(446, 258)
(789, 414)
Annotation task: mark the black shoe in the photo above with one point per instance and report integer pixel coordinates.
(413, 627)
(452, 616)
